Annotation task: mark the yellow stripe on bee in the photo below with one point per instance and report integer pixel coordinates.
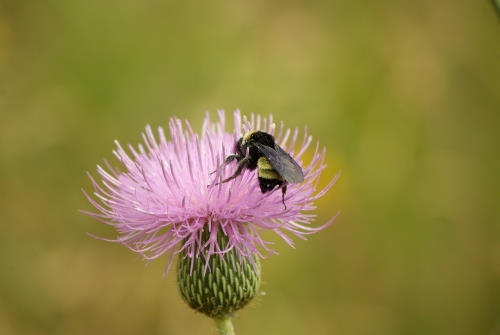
(266, 170)
(263, 164)
(269, 174)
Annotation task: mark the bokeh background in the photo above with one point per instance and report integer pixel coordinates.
(405, 95)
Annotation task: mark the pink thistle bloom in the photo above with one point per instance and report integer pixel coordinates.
(166, 196)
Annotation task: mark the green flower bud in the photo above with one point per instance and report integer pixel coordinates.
(226, 286)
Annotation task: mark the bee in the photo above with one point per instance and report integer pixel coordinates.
(275, 167)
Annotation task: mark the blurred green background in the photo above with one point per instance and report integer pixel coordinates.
(405, 95)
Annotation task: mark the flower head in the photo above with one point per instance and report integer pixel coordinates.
(166, 197)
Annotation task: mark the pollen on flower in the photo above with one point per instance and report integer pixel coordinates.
(163, 197)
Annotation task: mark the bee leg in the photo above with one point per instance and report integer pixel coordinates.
(228, 160)
(241, 164)
(283, 191)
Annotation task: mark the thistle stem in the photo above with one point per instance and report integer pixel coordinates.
(224, 325)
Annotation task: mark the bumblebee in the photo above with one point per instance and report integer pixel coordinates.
(275, 167)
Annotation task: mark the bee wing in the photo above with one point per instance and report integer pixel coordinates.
(282, 162)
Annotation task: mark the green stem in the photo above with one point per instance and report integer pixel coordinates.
(224, 325)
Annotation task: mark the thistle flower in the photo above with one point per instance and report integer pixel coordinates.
(165, 201)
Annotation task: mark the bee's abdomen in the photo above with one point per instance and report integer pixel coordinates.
(266, 170)
(268, 177)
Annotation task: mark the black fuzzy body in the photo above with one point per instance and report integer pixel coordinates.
(275, 167)
(254, 154)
